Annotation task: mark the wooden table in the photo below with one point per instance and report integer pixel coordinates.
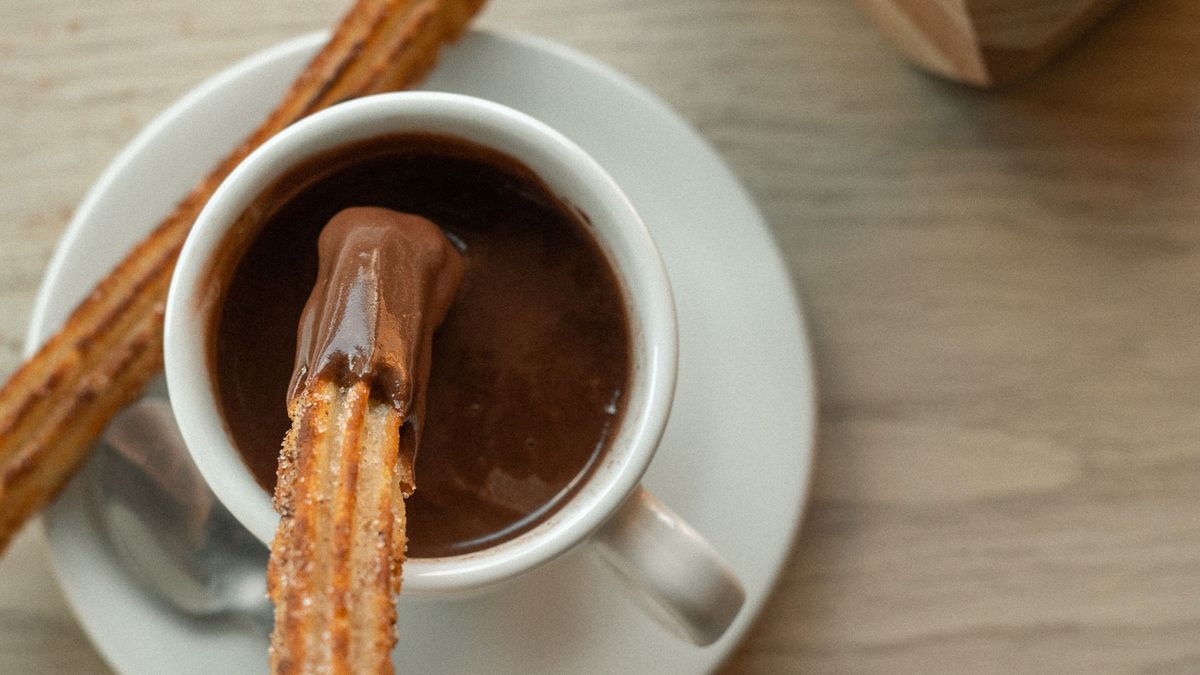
(1002, 288)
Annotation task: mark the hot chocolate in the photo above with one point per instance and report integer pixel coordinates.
(528, 368)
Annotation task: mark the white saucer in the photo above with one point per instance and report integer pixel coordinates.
(737, 453)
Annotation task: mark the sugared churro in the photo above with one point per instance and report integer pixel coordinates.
(335, 564)
(55, 405)
(385, 281)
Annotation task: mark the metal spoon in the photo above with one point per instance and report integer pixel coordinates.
(167, 527)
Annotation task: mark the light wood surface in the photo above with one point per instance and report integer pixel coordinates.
(983, 42)
(1002, 287)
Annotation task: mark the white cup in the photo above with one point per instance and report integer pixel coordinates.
(675, 574)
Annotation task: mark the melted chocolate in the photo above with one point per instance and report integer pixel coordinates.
(528, 367)
(384, 283)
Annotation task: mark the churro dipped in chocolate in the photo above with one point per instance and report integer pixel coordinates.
(385, 281)
(57, 403)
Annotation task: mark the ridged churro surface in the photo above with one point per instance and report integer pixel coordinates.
(337, 555)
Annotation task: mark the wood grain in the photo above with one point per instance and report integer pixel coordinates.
(1002, 288)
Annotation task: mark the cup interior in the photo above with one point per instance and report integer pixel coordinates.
(571, 174)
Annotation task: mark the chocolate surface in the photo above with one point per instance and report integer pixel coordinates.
(528, 368)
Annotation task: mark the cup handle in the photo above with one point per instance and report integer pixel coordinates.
(673, 573)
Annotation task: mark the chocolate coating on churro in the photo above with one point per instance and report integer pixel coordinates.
(385, 281)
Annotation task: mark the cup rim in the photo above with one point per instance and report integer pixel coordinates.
(572, 174)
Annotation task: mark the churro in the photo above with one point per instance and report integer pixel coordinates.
(110, 347)
(336, 560)
(385, 281)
